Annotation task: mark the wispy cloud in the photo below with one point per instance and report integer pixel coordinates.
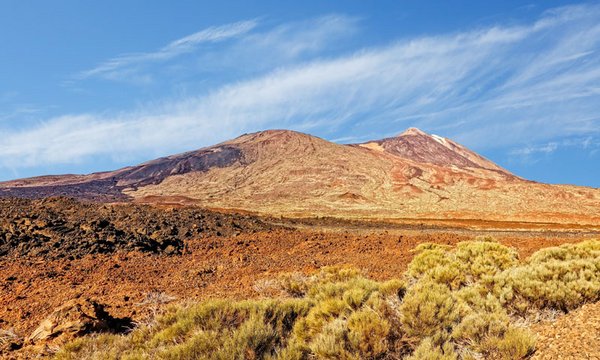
(533, 153)
(243, 48)
(548, 148)
(175, 48)
(502, 86)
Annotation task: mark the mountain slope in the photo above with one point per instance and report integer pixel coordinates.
(413, 175)
(416, 145)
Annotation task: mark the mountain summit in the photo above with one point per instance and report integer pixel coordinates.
(283, 172)
(414, 144)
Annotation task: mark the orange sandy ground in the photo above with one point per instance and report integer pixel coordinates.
(574, 336)
(219, 267)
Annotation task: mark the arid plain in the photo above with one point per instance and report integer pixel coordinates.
(227, 221)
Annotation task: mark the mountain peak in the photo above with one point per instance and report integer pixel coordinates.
(276, 135)
(413, 131)
(282, 172)
(417, 145)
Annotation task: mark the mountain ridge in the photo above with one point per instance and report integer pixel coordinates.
(284, 172)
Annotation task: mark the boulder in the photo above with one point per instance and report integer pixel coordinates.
(76, 318)
(9, 341)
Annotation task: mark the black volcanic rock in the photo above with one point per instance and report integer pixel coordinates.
(62, 227)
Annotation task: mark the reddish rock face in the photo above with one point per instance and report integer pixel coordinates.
(73, 319)
(416, 145)
(281, 172)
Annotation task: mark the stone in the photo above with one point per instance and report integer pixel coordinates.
(76, 318)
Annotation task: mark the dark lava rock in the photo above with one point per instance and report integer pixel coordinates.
(67, 228)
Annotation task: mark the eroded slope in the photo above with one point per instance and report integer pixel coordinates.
(280, 172)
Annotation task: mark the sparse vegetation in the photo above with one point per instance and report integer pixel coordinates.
(560, 278)
(452, 303)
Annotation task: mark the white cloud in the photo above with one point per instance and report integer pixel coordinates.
(500, 86)
(533, 153)
(19, 111)
(531, 150)
(247, 50)
(289, 41)
(175, 48)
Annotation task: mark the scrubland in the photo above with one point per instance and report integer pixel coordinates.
(471, 301)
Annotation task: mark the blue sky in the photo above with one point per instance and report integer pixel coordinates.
(91, 86)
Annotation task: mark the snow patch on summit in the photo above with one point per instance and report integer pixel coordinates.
(439, 139)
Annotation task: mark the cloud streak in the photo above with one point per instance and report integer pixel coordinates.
(501, 86)
(178, 47)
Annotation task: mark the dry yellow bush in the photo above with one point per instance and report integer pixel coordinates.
(368, 333)
(428, 351)
(463, 266)
(459, 303)
(429, 309)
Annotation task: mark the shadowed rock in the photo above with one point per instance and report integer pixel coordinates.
(74, 319)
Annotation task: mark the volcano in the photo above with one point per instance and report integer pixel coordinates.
(414, 175)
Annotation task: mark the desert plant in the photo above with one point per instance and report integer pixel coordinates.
(465, 265)
(555, 284)
(429, 309)
(589, 250)
(336, 313)
(368, 333)
(460, 302)
(428, 351)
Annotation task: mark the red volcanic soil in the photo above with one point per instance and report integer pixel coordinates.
(224, 266)
(571, 337)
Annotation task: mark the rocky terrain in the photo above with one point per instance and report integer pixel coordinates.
(104, 252)
(573, 336)
(60, 256)
(279, 172)
(66, 228)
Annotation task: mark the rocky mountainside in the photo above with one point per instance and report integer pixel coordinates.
(281, 172)
(416, 145)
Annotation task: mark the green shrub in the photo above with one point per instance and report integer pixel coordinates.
(429, 309)
(336, 313)
(368, 333)
(465, 265)
(429, 256)
(330, 342)
(460, 303)
(587, 250)
(464, 295)
(515, 343)
(477, 259)
(428, 351)
(562, 285)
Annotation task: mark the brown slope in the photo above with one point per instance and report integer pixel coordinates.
(416, 145)
(110, 185)
(296, 174)
(283, 169)
(414, 175)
